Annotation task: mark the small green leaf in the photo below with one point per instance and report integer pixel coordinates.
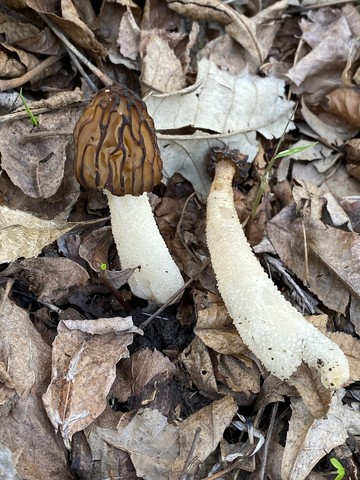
(291, 151)
(340, 470)
(34, 119)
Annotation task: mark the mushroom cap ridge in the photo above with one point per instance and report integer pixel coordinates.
(115, 144)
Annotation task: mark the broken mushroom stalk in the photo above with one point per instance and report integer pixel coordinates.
(269, 325)
(116, 150)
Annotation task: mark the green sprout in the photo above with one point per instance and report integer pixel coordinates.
(103, 267)
(265, 177)
(340, 470)
(277, 154)
(33, 118)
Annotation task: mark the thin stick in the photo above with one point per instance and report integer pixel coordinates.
(171, 299)
(19, 81)
(267, 441)
(104, 78)
(191, 452)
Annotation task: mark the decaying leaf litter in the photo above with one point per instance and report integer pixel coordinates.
(97, 383)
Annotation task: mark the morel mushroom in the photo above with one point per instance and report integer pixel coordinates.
(116, 150)
(268, 324)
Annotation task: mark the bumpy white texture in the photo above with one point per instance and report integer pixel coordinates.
(139, 243)
(268, 324)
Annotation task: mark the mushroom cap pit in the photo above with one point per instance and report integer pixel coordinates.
(115, 144)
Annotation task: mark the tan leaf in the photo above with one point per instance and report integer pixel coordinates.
(216, 330)
(152, 443)
(139, 370)
(52, 278)
(332, 257)
(224, 103)
(345, 103)
(21, 346)
(308, 440)
(162, 70)
(221, 413)
(240, 27)
(24, 235)
(85, 354)
(197, 361)
(27, 425)
(36, 163)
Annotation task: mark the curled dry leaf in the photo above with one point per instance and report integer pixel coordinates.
(24, 235)
(238, 26)
(51, 279)
(344, 102)
(308, 440)
(85, 354)
(71, 24)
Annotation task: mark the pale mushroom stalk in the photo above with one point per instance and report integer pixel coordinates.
(139, 242)
(269, 325)
(117, 151)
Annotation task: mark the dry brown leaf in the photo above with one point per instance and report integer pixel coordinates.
(315, 396)
(71, 24)
(51, 279)
(212, 421)
(95, 246)
(334, 134)
(332, 256)
(27, 432)
(308, 440)
(10, 67)
(161, 69)
(320, 70)
(85, 354)
(238, 26)
(237, 376)
(152, 443)
(197, 361)
(351, 347)
(344, 102)
(135, 373)
(24, 235)
(224, 103)
(215, 328)
(36, 163)
(129, 36)
(22, 350)
(273, 390)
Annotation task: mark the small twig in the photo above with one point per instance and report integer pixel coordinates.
(82, 71)
(191, 453)
(267, 441)
(306, 256)
(102, 76)
(171, 299)
(276, 263)
(29, 75)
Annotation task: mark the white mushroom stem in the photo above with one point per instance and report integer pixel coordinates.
(269, 325)
(140, 244)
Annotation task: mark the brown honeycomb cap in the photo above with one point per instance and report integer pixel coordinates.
(115, 144)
